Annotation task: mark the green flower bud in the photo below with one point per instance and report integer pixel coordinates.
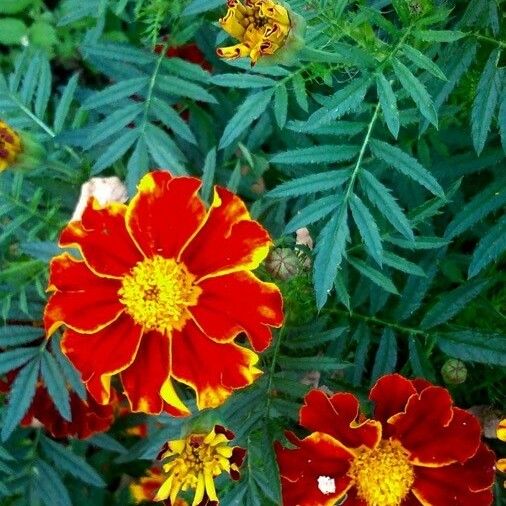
(454, 372)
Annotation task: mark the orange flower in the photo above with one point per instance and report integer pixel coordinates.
(10, 146)
(163, 290)
(419, 450)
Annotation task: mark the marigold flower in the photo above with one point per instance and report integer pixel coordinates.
(10, 146)
(501, 434)
(163, 290)
(195, 461)
(261, 26)
(418, 450)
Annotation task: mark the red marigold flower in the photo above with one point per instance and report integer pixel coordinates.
(164, 288)
(501, 434)
(419, 450)
(195, 461)
(188, 52)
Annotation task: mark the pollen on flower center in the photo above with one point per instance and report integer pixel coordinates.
(383, 476)
(157, 292)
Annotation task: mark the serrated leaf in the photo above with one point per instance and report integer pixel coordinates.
(416, 91)
(299, 90)
(178, 87)
(421, 61)
(438, 35)
(63, 107)
(363, 338)
(69, 462)
(474, 346)
(310, 184)
(452, 302)
(492, 198)
(345, 100)
(69, 371)
(406, 164)
(485, 103)
(377, 277)
(490, 247)
(312, 339)
(115, 151)
(367, 227)
(388, 104)
(312, 213)
(43, 89)
(280, 105)
(250, 109)
(379, 195)
(137, 166)
(15, 335)
(420, 242)
(341, 290)
(329, 252)
(55, 383)
(242, 81)
(49, 486)
(401, 264)
(501, 119)
(315, 154)
(322, 363)
(208, 174)
(20, 397)
(107, 442)
(386, 356)
(164, 150)
(12, 359)
(118, 91)
(172, 120)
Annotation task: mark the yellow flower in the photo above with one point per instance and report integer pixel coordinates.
(10, 146)
(261, 26)
(194, 462)
(501, 434)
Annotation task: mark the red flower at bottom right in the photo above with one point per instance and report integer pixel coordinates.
(418, 449)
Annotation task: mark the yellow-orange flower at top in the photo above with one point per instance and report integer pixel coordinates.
(261, 26)
(10, 146)
(194, 462)
(501, 434)
(161, 294)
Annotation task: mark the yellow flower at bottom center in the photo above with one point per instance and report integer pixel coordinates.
(384, 475)
(157, 292)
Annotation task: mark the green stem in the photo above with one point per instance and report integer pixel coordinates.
(277, 347)
(478, 36)
(378, 321)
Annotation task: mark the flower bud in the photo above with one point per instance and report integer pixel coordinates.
(283, 263)
(266, 30)
(454, 372)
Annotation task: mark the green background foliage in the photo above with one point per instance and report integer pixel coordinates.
(386, 138)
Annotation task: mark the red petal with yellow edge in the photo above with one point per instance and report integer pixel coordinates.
(212, 369)
(144, 378)
(165, 213)
(337, 416)
(317, 456)
(434, 432)
(98, 356)
(103, 239)
(390, 395)
(86, 303)
(228, 241)
(467, 484)
(221, 315)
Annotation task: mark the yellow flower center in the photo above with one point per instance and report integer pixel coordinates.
(157, 292)
(383, 476)
(10, 145)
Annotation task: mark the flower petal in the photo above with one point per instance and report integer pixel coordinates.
(100, 355)
(221, 317)
(467, 484)
(318, 456)
(83, 301)
(433, 431)
(337, 416)
(165, 213)
(233, 52)
(390, 395)
(212, 369)
(145, 378)
(103, 239)
(229, 240)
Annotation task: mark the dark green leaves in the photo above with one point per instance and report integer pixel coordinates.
(388, 104)
(246, 113)
(406, 165)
